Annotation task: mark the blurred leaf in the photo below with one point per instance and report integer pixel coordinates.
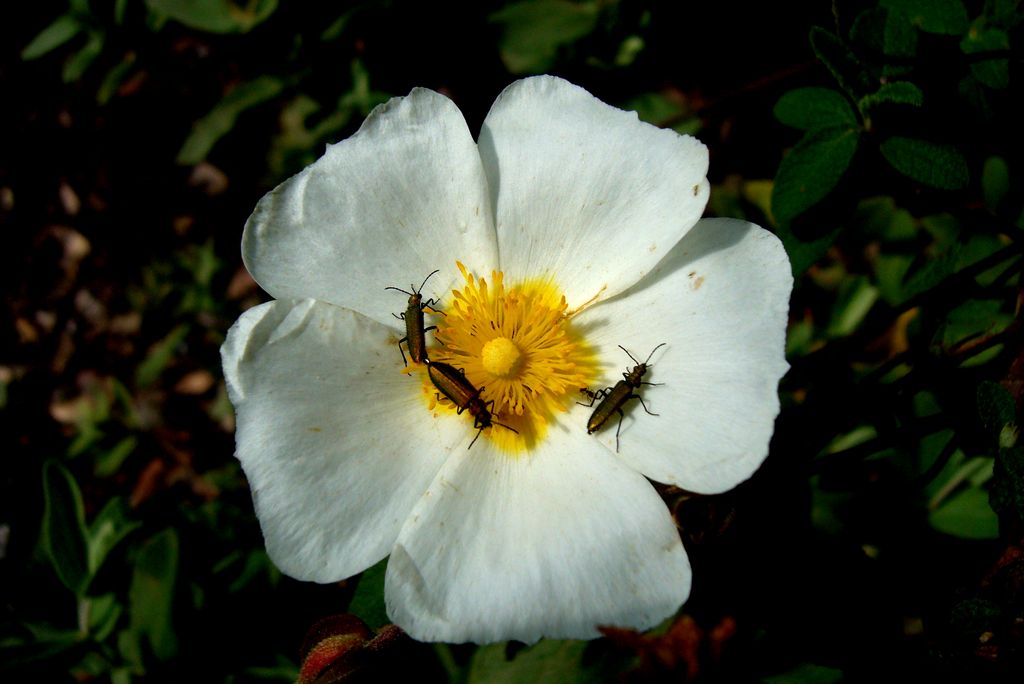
(967, 514)
(879, 216)
(890, 272)
(368, 600)
(215, 16)
(932, 272)
(655, 108)
(63, 29)
(856, 297)
(973, 319)
(533, 30)
(630, 48)
(80, 61)
(806, 673)
(550, 660)
(63, 530)
(103, 613)
(840, 61)
(810, 108)
(897, 92)
(114, 78)
(900, 37)
(805, 253)
(933, 16)
(160, 355)
(995, 71)
(110, 461)
(221, 119)
(152, 592)
(995, 182)
(811, 170)
(111, 525)
(940, 166)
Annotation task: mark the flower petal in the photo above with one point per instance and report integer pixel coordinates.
(403, 196)
(551, 543)
(337, 444)
(585, 191)
(720, 301)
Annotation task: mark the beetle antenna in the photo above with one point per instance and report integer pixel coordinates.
(399, 289)
(628, 354)
(652, 352)
(426, 279)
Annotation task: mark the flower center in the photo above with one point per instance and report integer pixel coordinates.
(501, 357)
(519, 348)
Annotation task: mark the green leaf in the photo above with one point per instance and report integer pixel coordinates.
(995, 182)
(967, 514)
(368, 600)
(996, 407)
(1007, 493)
(152, 592)
(811, 108)
(992, 71)
(900, 36)
(534, 30)
(221, 119)
(63, 29)
(160, 355)
(80, 61)
(111, 525)
(547, 661)
(840, 61)
(63, 529)
(102, 614)
(856, 297)
(897, 92)
(806, 673)
(940, 166)
(110, 461)
(215, 16)
(805, 253)
(933, 16)
(811, 170)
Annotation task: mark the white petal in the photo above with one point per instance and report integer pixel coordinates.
(337, 443)
(403, 196)
(547, 544)
(584, 191)
(720, 301)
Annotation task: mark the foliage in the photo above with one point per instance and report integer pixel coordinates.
(880, 141)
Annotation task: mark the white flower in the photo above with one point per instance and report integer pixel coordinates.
(547, 531)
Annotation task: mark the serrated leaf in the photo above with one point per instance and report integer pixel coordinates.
(63, 528)
(898, 92)
(992, 71)
(811, 170)
(811, 108)
(547, 661)
(368, 600)
(63, 29)
(996, 407)
(933, 16)
(967, 514)
(940, 166)
(1007, 493)
(221, 119)
(534, 30)
(152, 592)
(840, 61)
(215, 16)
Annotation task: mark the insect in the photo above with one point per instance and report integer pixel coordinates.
(613, 398)
(453, 384)
(415, 334)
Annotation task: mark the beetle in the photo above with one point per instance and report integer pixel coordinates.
(452, 383)
(415, 334)
(614, 398)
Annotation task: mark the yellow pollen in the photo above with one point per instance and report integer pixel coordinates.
(517, 346)
(501, 357)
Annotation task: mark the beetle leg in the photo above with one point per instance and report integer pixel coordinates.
(406, 340)
(643, 404)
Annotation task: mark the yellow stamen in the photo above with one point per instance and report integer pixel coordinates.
(517, 346)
